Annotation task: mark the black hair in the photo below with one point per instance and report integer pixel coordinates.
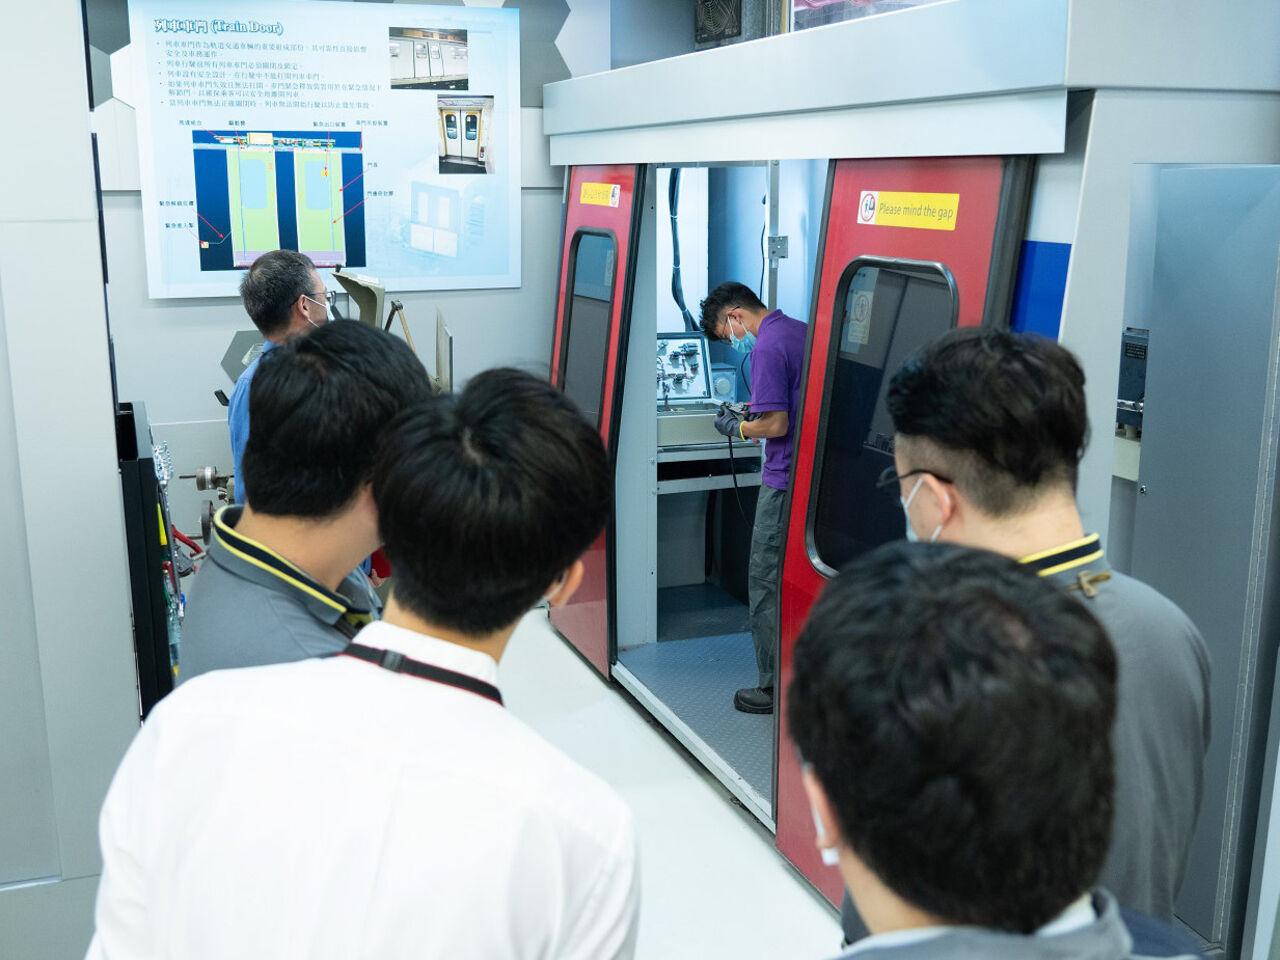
(1005, 412)
(727, 296)
(957, 711)
(316, 406)
(272, 286)
(486, 497)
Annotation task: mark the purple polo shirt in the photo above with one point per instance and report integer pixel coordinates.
(777, 363)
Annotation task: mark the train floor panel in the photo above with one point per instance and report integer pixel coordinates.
(696, 678)
(699, 610)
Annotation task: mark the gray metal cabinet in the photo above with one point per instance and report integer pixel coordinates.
(1205, 513)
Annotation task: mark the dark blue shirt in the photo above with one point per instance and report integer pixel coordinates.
(238, 418)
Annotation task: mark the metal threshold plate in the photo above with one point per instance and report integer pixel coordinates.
(750, 798)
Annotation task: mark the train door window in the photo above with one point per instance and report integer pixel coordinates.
(473, 126)
(451, 126)
(885, 310)
(589, 307)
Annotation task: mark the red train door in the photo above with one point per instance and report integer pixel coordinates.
(910, 249)
(593, 319)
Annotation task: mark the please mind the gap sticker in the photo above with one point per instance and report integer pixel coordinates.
(600, 194)
(921, 211)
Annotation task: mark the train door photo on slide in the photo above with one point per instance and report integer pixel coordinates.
(471, 134)
(910, 249)
(593, 315)
(452, 136)
(401, 59)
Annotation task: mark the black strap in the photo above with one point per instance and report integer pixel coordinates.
(1089, 547)
(399, 663)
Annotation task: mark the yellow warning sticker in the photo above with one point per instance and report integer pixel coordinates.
(923, 211)
(600, 194)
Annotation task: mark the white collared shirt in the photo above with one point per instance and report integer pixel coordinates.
(334, 809)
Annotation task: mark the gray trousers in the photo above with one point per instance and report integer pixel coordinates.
(762, 579)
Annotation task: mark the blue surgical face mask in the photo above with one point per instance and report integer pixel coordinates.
(743, 344)
(911, 531)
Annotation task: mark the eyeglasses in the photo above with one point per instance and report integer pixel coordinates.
(890, 475)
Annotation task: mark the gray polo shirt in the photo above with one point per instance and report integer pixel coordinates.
(1106, 938)
(1161, 732)
(1162, 724)
(249, 606)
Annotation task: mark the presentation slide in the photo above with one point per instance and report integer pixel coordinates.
(374, 136)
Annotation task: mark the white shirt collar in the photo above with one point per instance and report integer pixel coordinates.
(427, 649)
(1076, 916)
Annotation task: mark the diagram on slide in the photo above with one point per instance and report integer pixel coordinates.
(261, 190)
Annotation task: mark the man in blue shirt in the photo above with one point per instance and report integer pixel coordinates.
(284, 297)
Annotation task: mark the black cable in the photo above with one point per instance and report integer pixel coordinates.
(742, 372)
(733, 472)
(677, 285)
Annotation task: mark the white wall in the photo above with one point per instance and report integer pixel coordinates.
(68, 698)
(738, 214)
(802, 189)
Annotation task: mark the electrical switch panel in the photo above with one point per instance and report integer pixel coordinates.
(683, 373)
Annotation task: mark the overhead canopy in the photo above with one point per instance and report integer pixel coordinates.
(954, 78)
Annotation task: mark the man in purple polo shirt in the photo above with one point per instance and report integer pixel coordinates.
(776, 343)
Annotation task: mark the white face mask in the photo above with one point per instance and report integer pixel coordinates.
(830, 855)
(324, 311)
(906, 504)
(555, 587)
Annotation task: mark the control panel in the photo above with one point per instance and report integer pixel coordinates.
(1132, 395)
(683, 372)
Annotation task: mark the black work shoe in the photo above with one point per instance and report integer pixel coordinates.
(754, 700)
